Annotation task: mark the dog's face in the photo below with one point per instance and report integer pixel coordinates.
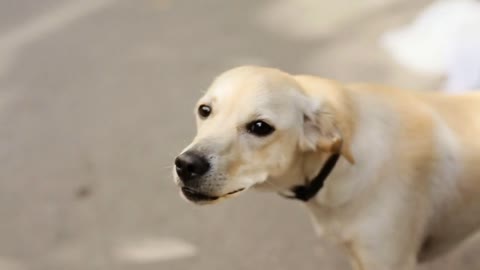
(252, 125)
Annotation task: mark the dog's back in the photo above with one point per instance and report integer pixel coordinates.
(460, 216)
(441, 138)
(435, 138)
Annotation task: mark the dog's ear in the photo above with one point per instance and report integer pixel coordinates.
(321, 131)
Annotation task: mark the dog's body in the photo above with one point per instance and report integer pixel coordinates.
(414, 189)
(407, 189)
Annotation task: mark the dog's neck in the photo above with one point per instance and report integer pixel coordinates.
(301, 172)
(338, 188)
(313, 163)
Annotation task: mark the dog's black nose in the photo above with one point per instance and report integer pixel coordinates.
(191, 165)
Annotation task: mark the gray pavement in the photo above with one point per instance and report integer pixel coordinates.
(96, 99)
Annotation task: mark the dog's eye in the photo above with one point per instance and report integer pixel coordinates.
(204, 111)
(259, 128)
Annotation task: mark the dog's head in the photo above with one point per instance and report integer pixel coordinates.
(253, 124)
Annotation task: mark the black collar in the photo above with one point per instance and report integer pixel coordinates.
(309, 190)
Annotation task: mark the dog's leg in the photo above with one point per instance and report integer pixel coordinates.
(373, 260)
(354, 258)
(390, 243)
(387, 241)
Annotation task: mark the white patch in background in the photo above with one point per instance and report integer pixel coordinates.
(43, 25)
(9, 264)
(463, 64)
(438, 38)
(153, 250)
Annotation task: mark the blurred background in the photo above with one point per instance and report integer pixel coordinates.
(96, 99)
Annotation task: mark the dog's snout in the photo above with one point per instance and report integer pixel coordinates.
(191, 165)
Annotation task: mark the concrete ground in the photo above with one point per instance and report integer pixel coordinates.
(96, 99)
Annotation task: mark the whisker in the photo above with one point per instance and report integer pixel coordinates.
(169, 167)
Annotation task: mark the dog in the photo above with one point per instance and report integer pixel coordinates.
(392, 176)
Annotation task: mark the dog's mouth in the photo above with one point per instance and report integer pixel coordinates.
(196, 196)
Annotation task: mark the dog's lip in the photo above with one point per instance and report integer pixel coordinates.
(192, 194)
(195, 195)
(233, 192)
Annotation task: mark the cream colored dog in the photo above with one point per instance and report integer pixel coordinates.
(406, 187)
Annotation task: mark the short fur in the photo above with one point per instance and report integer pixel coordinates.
(408, 186)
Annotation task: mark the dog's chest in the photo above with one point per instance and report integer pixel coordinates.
(369, 216)
(334, 225)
